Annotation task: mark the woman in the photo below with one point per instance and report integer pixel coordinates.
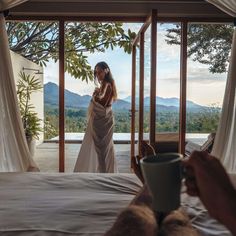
(97, 150)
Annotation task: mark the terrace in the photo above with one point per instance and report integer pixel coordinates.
(46, 154)
(150, 13)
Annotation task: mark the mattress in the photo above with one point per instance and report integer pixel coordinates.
(62, 204)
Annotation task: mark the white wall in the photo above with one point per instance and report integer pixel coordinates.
(18, 62)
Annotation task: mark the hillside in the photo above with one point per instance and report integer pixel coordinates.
(76, 101)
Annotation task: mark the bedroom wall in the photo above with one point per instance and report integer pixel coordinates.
(37, 100)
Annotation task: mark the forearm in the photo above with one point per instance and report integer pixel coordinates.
(104, 95)
(102, 100)
(207, 178)
(231, 224)
(228, 216)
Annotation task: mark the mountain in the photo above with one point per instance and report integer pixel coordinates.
(51, 94)
(76, 101)
(168, 102)
(72, 100)
(127, 99)
(121, 105)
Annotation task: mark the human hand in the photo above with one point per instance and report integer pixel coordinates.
(207, 178)
(96, 91)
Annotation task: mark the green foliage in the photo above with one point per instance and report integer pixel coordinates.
(51, 124)
(122, 122)
(27, 85)
(204, 122)
(209, 44)
(49, 130)
(197, 122)
(38, 42)
(167, 121)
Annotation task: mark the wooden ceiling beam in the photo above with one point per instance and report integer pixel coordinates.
(119, 9)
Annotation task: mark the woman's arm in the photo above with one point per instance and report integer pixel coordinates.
(104, 97)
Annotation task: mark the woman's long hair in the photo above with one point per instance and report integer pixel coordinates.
(108, 77)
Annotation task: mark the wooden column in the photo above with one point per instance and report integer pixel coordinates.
(61, 97)
(183, 82)
(133, 102)
(152, 127)
(141, 92)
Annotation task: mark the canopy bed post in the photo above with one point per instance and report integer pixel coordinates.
(152, 128)
(133, 102)
(183, 79)
(61, 97)
(141, 92)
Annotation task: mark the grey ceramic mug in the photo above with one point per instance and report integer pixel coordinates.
(163, 174)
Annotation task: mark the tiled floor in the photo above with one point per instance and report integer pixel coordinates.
(47, 154)
(47, 157)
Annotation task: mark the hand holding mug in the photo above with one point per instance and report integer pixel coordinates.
(163, 176)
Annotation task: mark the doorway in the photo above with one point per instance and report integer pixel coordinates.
(143, 108)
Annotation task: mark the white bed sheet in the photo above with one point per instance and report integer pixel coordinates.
(62, 204)
(199, 216)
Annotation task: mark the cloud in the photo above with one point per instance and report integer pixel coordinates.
(199, 73)
(123, 93)
(200, 81)
(51, 72)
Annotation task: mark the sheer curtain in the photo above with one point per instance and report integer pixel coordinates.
(14, 153)
(225, 142)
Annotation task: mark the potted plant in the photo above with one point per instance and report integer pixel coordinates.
(26, 85)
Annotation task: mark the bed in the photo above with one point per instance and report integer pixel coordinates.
(76, 204)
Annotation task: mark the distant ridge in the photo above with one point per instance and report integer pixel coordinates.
(76, 101)
(173, 102)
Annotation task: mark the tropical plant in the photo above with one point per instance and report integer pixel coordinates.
(39, 42)
(208, 44)
(26, 85)
(50, 131)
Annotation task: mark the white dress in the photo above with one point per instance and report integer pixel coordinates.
(97, 149)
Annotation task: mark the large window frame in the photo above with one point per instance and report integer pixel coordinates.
(152, 19)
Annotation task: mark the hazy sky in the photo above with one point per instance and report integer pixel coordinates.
(202, 87)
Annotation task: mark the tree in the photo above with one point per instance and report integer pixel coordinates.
(26, 86)
(207, 43)
(38, 42)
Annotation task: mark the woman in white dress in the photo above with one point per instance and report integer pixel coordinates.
(97, 149)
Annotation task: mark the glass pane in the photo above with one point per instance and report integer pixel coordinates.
(167, 84)
(82, 52)
(79, 87)
(209, 47)
(37, 59)
(147, 79)
(137, 97)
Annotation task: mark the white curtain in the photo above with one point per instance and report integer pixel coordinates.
(14, 152)
(225, 142)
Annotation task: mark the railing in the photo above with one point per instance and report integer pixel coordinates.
(198, 138)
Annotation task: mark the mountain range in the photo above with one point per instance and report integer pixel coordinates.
(76, 101)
